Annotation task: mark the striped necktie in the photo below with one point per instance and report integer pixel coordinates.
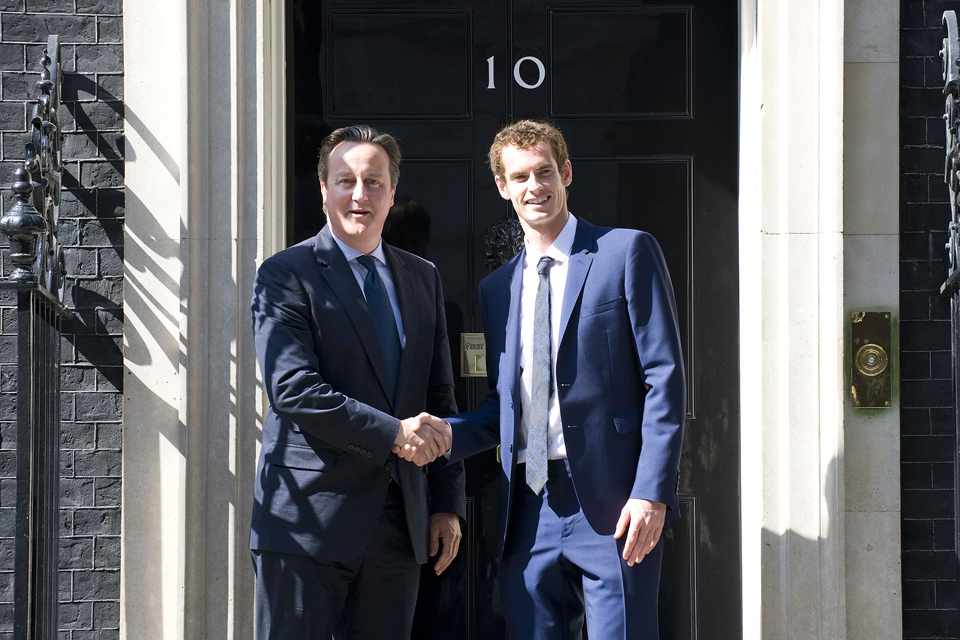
(542, 384)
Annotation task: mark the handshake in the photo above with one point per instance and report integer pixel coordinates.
(422, 439)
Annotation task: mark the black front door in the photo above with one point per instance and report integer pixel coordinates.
(646, 96)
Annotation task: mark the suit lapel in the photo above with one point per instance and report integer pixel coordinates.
(339, 276)
(512, 348)
(406, 299)
(580, 260)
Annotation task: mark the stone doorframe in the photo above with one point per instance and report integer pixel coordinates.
(205, 181)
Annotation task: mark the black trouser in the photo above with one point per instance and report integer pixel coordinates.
(371, 597)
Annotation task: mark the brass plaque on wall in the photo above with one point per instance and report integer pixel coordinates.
(870, 359)
(473, 355)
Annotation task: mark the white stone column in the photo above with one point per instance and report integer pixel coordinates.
(205, 135)
(791, 285)
(819, 239)
(872, 283)
(152, 530)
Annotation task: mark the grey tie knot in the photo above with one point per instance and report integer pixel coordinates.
(543, 267)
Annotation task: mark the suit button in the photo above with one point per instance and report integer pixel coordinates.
(511, 448)
(389, 466)
(369, 454)
(351, 447)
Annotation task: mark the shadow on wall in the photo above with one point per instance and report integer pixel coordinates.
(794, 565)
(187, 453)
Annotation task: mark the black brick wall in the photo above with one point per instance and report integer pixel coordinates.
(930, 571)
(92, 231)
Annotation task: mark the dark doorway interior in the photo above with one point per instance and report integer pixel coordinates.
(646, 95)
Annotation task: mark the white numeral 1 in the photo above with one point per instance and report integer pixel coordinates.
(490, 73)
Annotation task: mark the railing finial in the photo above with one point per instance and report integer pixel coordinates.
(31, 223)
(22, 223)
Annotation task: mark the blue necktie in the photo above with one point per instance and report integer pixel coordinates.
(541, 384)
(382, 311)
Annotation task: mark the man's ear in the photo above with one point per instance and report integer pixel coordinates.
(502, 187)
(567, 173)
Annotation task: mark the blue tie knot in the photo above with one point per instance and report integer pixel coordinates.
(370, 264)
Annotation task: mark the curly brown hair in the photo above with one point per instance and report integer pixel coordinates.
(524, 134)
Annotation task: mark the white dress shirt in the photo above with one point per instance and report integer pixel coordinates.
(383, 271)
(560, 252)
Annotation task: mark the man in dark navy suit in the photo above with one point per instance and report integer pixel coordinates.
(350, 336)
(587, 403)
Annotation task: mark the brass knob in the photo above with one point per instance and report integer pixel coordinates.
(872, 360)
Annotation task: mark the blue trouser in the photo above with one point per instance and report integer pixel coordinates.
(556, 570)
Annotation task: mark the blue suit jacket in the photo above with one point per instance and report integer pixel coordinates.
(326, 461)
(619, 372)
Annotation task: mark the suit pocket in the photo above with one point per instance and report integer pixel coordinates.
(302, 457)
(593, 310)
(628, 421)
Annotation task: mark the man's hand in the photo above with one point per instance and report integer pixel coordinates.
(422, 438)
(446, 527)
(645, 520)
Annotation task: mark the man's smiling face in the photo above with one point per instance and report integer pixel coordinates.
(357, 193)
(536, 186)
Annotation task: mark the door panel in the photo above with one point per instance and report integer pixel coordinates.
(646, 96)
(630, 62)
(432, 79)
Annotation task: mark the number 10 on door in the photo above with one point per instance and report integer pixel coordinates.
(541, 72)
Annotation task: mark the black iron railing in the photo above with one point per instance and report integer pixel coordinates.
(38, 277)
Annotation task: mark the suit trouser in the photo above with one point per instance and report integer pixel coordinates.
(556, 570)
(371, 597)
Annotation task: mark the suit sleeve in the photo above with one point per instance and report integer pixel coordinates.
(479, 430)
(446, 481)
(290, 367)
(653, 317)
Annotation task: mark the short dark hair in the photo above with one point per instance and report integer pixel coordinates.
(360, 133)
(524, 134)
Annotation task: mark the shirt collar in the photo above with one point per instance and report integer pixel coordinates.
(352, 254)
(562, 244)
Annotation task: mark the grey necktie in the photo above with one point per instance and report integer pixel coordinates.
(542, 384)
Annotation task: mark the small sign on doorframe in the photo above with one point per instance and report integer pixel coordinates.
(473, 355)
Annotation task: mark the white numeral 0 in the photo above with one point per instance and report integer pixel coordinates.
(516, 73)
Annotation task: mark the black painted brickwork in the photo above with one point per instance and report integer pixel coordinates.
(92, 232)
(930, 570)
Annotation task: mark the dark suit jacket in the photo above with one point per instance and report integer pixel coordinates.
(326, 461)
(619, 371)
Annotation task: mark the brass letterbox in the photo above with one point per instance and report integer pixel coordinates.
(870, 358)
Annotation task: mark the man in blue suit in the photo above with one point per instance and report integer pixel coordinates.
(350, 336)
(586, 403)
